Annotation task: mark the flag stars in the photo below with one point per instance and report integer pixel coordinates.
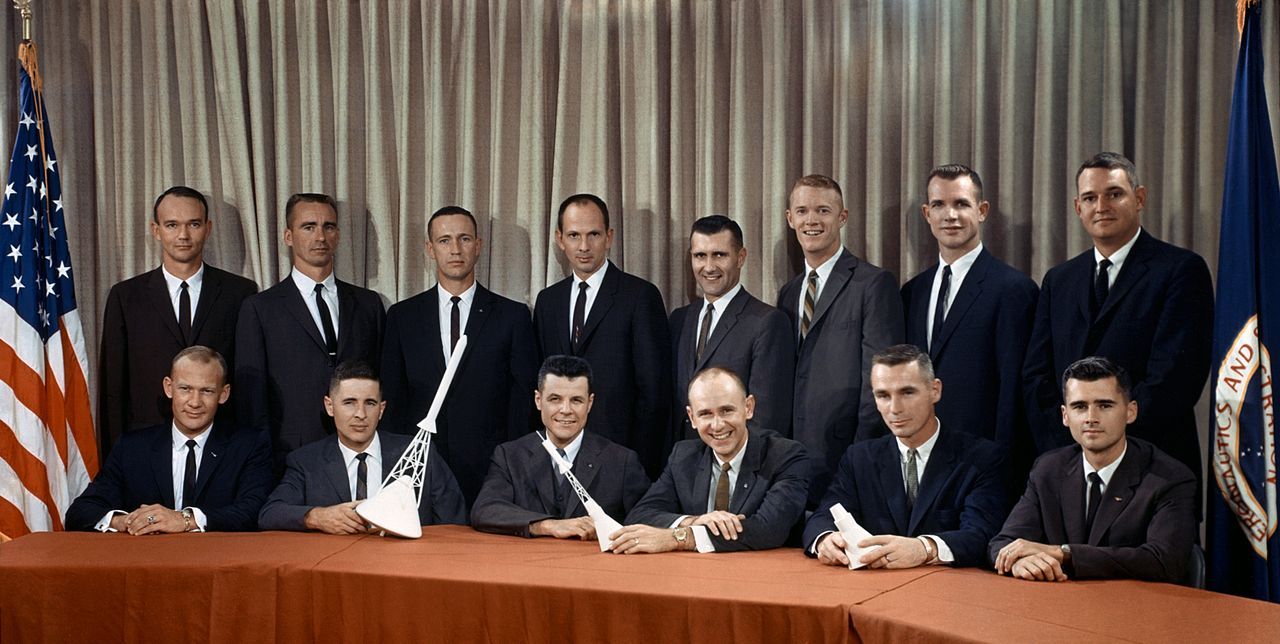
(30, 153)
(9, 191)
(17, 284)
(48, 290)
(42, 192)
(26, 120)
(11, 221)
(44, 315)
(50, 165)
(63, 270)
(31, 183)
(57, 204)
(35, 214)
(52, 232)
(14, 253)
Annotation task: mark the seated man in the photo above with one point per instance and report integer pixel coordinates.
(928, 496)
(188, 475)
(524, 493)
(325, 480)
(730, 489)
(1109, 506)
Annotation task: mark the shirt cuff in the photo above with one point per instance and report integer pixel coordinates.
(201, 520)
(702, 540)
(105, 524)
(944, 555)
(813, 547)
(676, 524)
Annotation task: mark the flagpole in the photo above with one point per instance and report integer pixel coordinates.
(24, 7)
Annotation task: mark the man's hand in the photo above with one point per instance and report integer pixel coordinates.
(153, 519)
(831, 549)
(118, 523)
(894, 552)
(635, 539)
(1020, 548)
(1039, 566)
(721, 523)
(577, 528)
(336, 519)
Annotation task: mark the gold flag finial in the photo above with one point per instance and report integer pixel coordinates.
(24, 7)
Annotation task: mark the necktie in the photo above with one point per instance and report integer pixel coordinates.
(326, 324)
(362, 477)
(913, 477)
(184, 313)
(189, 476)
(940, 311)
(560, 479)
(810, 296)
(1095, 499)
(708, 313)
(1100, 286)
(455, 323)
(579, 314)
(722, 489)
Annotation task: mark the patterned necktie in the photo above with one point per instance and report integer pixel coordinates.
(362, 477)
(810, 297)
(913, 477)
(579, 314)
(708, 313)
(722, 489)
(940, 311)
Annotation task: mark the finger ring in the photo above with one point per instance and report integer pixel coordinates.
(887, 559)
(151, 518)
(635, 541)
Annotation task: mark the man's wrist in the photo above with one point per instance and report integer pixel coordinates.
(930, 549)
(188, 520)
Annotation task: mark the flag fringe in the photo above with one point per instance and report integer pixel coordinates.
(27, 56)
(1242, 7)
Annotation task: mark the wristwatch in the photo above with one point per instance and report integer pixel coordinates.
(188, 519)
(1066, 552)
(681, 535)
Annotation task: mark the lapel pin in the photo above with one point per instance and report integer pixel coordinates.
(1117, 498)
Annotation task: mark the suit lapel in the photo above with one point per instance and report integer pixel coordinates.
(214, 448)
(1119, 492)
(965, 297)
(346, 314)
(558, 316)
(1073, 499)
(1135, 267)
(685, 357)
(335, 471)
(942, 463)
(162, 465)
(836, 282)
(481, 306)
(209, 291)
(431, 323)
(547, 475)
(724, 327)
(585, 470)
(604, 301)
(158, 293)
(1079, 280)
(701, 484)
(892, 488)
(919, 320)
(294, 304)
(747, 477)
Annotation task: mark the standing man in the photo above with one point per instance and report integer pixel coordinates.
(617, 322)
(1144, 304)
(728, 327)
(488, 402)
(843, 310)
(151, 317)
(292, 335)
(971, 312)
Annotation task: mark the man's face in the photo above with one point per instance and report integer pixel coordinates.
(313, 234)
(817, 215)
(564, 404)
(1108, 206)
(195, 389)
(181, 227)
(717, 262)
(905, 398)
(583, 238)
(1097, 413)
(356, 405)
(719, 410)
(955, 214)
(454, 246)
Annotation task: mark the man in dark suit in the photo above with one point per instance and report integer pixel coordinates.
(971, 312)
(151, 317)
(324, 481)
(843, 310)
(616, 321)
(525, 495)
(488, 402)
(191, 474)
(1145, 304)
(734, 489)
(730, 328)
(1109, 506)
(289, 338)
(928, 496)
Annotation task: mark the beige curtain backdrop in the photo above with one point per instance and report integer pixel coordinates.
(669, 109)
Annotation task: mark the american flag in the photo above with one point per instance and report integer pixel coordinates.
(47, 447)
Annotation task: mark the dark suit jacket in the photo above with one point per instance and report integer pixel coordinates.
(1157, 323)
(858, 313)
(979, 353)
(960, 499)
(770, 490)
(315, 476)
(283, 371)
(491, 400)
(140, 337)
(751, 338)
(1145, 525)
(625, 338)
(521, 486)
(231, 484)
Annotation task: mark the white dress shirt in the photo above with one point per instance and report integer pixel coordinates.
(701, 538)
(593, 289)
(959, 269)
(373, 465)
(174, 285)
(1105, 473)
(1117, 259)
(307, 286)
(178, 467)
(445, 305)
(922, 459)
(718, 307)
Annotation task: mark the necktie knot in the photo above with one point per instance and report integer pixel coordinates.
(583, 286)
(813, 276)
(361, 456)
(455, 299)
(318, 290)
(191, 443)
(185, 286)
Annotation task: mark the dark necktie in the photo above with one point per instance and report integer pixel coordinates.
(1100, 286)
(326, 324)
(810, 297)
(708, 313)
(579, 314)
(189, 476)
(362, 477)
(1095, 499)
(913, 477)
(455, 323)
(184, 313)
(940, 311)
(560, 477)
(722, 489)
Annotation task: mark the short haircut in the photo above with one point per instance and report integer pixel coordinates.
(201, 354)
(815, 181)
(570, 367)
(900, 354)
(353, 370)
(713, 224)
(306, 197)
(179, 191)
(951, 172)
(1095, 368)
(452, 210)
(1110, 161)
(582, 199)
(711, 372)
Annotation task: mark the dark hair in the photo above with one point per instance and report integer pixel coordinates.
(452, 210)
(582, 199)
(709, 372)
(899, 354)
(815, 181)
(306, 197)
(713, 224)
(1110, 161)
(1095, 368)
(179, 191)
(564, 367)
(202, 355)
(353, 370)
(951, 172)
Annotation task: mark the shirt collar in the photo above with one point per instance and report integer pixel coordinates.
(964, 263)
(571, 450)
(723, 301)
(736, 461)
(596, 279)
(824, 269)
(373, 449)
(466, 297)
(925, 450)
(174, 282)
(1106, 472)
(180, 439)
(1117, 258)
(307, 286)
